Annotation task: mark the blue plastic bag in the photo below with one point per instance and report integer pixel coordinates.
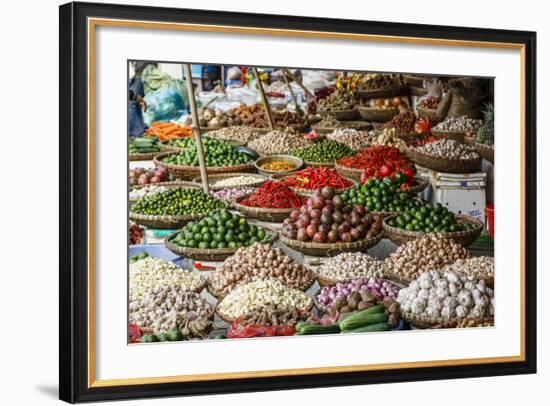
(166, 103)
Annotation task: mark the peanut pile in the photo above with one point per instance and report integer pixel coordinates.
(279, 141)
(351, 265)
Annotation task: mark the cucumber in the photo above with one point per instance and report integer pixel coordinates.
(309, 329)
(144, 142)
(147, 150)
(383, 326)
(371, 315)
(301, 324)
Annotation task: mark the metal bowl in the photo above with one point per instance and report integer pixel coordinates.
(296, 162)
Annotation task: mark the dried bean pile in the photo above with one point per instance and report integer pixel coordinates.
(259, 261)
(354, 139)
(449, 149)
(241, 134)
(256, 117)
(403, 122)
(279, 141)
(341, 99)
(424, 254)
(351, 265)
(273, 315)
(329, 122)
(388, 137)
(459, 124)
(377, 81)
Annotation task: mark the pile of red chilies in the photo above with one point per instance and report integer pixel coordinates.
(375, 157)
(316, 178)
(273, 195)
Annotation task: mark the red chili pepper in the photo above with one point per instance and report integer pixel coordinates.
(273, 195)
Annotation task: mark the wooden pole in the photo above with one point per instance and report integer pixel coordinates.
(298, 109)
(196, 128)
(264, 99)
(222, 77)
(298, 82)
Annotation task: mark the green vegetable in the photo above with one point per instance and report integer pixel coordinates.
(149, 338)
(360, 315)
(177, 202)
(163, 337)
(216, 153)
(310, 328)
(174, 334)
(355, 322)
(220, 337)
(427, 219)
(326, 151)
(382, 326)
(143, 145)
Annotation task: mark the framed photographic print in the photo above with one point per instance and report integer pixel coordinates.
(256, 202)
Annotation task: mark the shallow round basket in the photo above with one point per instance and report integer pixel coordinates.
(310, 164)
(419, 185)
(355, 124)
(229, 320)
(432, 322)
(343, 115)
(169, 185)
(464, 238)
(262, 214)
(163, 222)
(208, 254)
(329, 250)
(297, 162)
(377, 114)
(431, 114)
(452, 135)
(443, 164)
(455, 322)
(188, 172)
(213, 178)
(350, 173)
(487, 152)
(149, 156)
(384, 93)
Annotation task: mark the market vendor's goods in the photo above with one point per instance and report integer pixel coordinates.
(142, 176)
(237, 181)
(278, 166)
(256, 117)
(387, 103)
(339, 100)
(478, 267)
(396, 177)
(462, 124)
(329, 122)
(358, 294)
(177, 202)
(326, 218)
(230, 194)
(436, 296)
(211, 118)
(380, 161)
(272, 315)
(449, 149)
(143, 145)
(216, 153)
(379, 317)
(279, 141)
(429, 103)
(135, 234)
(152, 273)
(166, 131)
(354, 139)
(239, 134)
(323, 152)
(378, 81)
(429, 218)
(486, 132)
(172, 312)
(381, 196)
(259, 261)
(259, 294)
(147, 190)
(140, 256)
(316, 178)
(423, 254)
(348, 266)
(220, 229)
(387, 137)
(274, 195)
(404, 123)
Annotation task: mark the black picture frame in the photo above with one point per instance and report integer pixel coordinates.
(73, 299)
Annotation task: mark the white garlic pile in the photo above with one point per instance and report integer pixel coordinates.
(352, 265)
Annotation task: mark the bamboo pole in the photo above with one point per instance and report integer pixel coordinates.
(196, 128)
(264, 99)
(298, 82)
(298, 109)
(222, 77)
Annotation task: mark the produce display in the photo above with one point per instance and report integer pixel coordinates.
(429, 218)
(212, 118)
(388, 137)
(459, 124)
(380, 161)
(279, 141)
(351, 265)
(166, 131)
(447, 295)
(220, 229)
(258, 294)
(479, 267)
(424, 254)
(404, 123)
(354, 139)
(324, 152)
(235, 181)
(138, 257)
(135, 234)
(273, 195)
(449, 149)
(272, 315)
(255, 116)
(341, 99)
(358, 294)
(176, 202)
(146, 190)
(240, 134)
(329, 122)
(378, 81)
(216, 153)
(172, 312)
(143, 145)
(316, 178)
(486, 132)
(277, 166)
(429, 102)
(142, 176)
(231, 193)
(259, 261)
(154, 273)
(326, 218)
(388, 103)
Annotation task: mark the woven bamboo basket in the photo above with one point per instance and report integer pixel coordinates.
(215, 255)
(329, 249)
(418, 91)
(262, 214)
(297, 162)
(356, 125)
(213, 178)
(343, 115)
(149, 156)
(229, 320)
(190, 172)
(169, 185)
(443, 164)
(310, 164)
(162, 222)
(464, 238)
(384, 93)
(431, 114)
(452, 135)
(425, 322)
(455, 323)
(350, 173)
(487, 152)
(377, 114)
